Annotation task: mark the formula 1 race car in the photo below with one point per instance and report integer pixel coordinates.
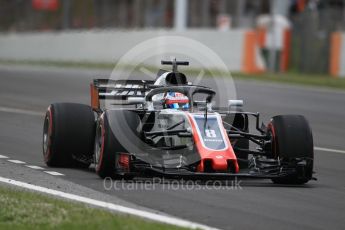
(168, 128)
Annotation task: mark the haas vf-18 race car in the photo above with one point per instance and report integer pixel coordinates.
(169, 128)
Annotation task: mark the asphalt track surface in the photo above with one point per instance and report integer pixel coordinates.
(26, 92)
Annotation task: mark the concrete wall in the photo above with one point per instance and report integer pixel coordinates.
(111, 45)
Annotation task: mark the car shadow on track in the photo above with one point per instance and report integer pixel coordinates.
(214, 183)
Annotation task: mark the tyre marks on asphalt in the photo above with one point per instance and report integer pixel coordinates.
(21, 111)
(35, 167)
(329, 150)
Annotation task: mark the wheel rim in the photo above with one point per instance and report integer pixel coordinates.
(273, 144)
(98, 145)
(46, 135)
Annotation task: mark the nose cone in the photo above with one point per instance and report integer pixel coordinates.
(219, 163)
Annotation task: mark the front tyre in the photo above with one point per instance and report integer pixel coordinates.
(292, 144)
(112, 158)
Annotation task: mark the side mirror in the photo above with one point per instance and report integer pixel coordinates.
(235, 103)
(135, 100)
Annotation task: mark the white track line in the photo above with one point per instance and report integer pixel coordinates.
(20, 111)
(110, 206)
(329, 150)
(3, 157)
(16, 161)
(54, 173)
(34, 167)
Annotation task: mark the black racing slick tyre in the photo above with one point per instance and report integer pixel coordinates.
(292, 141)
(109, 149)
(68, 134)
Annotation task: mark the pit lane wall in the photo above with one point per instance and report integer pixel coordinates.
(337, 55)
(238, 49)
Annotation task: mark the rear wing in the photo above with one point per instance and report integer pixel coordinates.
(118, 90)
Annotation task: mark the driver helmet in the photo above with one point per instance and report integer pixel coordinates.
(175, 100)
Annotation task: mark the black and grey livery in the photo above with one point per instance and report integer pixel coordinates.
(136, 134)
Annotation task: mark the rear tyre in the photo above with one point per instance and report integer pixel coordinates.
(292, 141)
(68, 134)
(109, 149)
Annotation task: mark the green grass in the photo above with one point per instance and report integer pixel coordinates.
(68, 64)
(325, 81)
(27, 210)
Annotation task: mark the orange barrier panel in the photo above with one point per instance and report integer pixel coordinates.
(335, 49)
(301, 5)
(285, 54)
(249, 58)
(94, 97)
(261, 36)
